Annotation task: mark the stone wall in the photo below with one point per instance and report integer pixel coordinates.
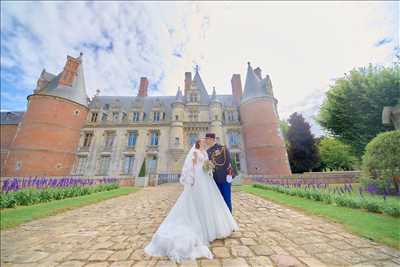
(339, 177)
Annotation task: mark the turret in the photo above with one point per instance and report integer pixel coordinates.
(47, 138)
(176, 134)
(264, 146)
(216, 110)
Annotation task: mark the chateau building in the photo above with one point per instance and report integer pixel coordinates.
(63, 132)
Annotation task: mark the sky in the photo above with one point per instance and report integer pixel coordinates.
(303, 46)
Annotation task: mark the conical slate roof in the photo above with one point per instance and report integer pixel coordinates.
(198, 83)
(256, 87)
(214, 96)
(76, 92)
(179, 96)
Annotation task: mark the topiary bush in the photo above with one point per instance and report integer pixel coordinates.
(142, 172)
(381, 158)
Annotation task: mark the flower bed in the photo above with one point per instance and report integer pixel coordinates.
(340, 196)
(30, 196)
(15, 184)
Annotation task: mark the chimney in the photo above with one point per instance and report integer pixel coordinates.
(70, 71)
(188, 81)
(257, 71)
(144, 83)
(236, 87)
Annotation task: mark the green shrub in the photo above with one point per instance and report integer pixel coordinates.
(340, 200)
(7, 201)
(142, 172)
(32, 196)
(316, 195)
(381, 158)
(392, 210)
(327, 198)
(371, 206)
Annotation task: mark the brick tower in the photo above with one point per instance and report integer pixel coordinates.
(48, 135)
(265, 149)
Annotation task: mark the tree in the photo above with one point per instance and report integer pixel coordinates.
(303, 153)
(381, 158)
(336, 155)
(142, 172)
(352, 111)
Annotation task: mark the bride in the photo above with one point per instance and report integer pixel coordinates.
(198, 217)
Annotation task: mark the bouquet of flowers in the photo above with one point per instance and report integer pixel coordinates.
(208, 166)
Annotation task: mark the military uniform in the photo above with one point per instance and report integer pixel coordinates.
(220, 157)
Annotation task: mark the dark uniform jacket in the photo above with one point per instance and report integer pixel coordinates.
(220, 157)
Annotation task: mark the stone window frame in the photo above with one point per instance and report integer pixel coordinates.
(131, 167)
(87, 140)
(128, 133)
(193, 114)
(237, 133)
(150, 133)
(134, 117)
(104, 116)
(94, 116)
(115, 118)
(106, 135)
(125, 116)
(80, 166)
(101, 166)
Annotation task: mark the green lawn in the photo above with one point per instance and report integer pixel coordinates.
(10, 218)
(380, 228)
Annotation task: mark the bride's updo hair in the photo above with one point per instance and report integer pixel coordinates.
(197, 145)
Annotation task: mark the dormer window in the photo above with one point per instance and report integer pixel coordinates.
(124, 116)
(193, 97)
(231, 116)
(94, 117)
(156, 116)
(115, 116)
(104, 117)
(176, 117)
(106, 107)
(136, 116)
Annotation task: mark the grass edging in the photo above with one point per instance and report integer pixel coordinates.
(377, 227)
(10, 218)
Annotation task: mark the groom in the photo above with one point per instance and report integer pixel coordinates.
(220, 157)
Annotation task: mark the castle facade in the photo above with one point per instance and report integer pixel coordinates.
(63, 132)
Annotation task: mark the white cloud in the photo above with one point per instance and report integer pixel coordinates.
(301, 45)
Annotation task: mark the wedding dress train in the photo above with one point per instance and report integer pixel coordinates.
(198, 217)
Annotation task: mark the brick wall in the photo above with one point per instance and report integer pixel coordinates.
(46, 139)
(7, 133)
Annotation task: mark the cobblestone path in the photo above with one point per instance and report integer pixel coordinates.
(114, 232)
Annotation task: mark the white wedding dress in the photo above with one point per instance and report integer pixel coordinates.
(199, 216)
